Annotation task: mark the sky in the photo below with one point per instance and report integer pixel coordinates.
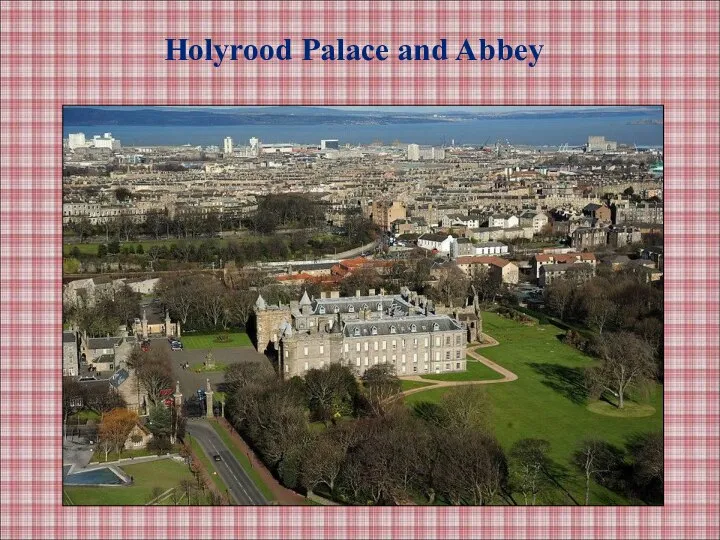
(404, 108)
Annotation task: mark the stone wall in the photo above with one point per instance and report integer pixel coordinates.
(267, 326)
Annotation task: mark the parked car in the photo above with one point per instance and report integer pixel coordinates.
(176, 346)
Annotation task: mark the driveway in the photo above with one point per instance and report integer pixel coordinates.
(240, 486)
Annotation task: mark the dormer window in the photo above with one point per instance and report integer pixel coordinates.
(379, 306)
(357, 331)
(436, 327)
(374, 330)
(393, 330)
(337, 309)
(351, 309)
(322, 310)
(365, 306)
(413, 328)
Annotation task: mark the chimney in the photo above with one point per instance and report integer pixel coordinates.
(334, 294)
(371, 292)
(357, 292)
(323, 295)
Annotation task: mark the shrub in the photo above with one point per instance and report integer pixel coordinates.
(223, 338)
(575, 339)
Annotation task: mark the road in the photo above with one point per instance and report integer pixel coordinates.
(241, 487)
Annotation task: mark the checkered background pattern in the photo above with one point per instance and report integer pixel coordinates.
(596, 53)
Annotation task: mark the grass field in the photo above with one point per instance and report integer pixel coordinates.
(164, 474)
(199, 368)
(410, 385)
(242, 459)
(91, 248)
(207, 341)
(476, 371)
(548, 401)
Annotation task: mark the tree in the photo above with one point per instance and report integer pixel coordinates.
(486, 285)
(115, 427)
(594, 458)
(647, 457)
(467, 408)
(323, 463)
(83, 228)
(113, 247)
(361, 280)
(452, 287)
(155, 222)
(627, 362)
(102, 251)
(126, 226)
(212, 300)
(122, 194)
(154, 373)
(186, 486)
(71, 266)
(381, 384)
(599, 311)
(154, 494)
(159, 421)
(558, 296)
(330, 391)
(72, 399)
(529, 463)
(178, 292)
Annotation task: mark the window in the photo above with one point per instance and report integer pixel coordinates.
(437, 356)
(375, 346)
(457, 355)
(366, 360)
(426, 357)
(351, 309)
(305, 350)
(384, 345)
(436, 327)
(402, 343)
(394, 345)
(403, 358)
(373, 330)
(394, 358)
(287, 368)
(357, 347)
(322, 310)
(375, 360)
(447, 341)
(437, 341)
(415, 358)
(347, 347)
(415, 369)
(286, 353)
(415, 342)
(457, 340)
(336, 309)
(402, 369)
(392, 330)
(366, 346)
(426, 342)
(357, 331)
(306, 366)
(322, 363)
(447, 355)
(413, 328)
(457, 366)
(379, 306)
(384, 359)
(357, 361)
(447, 367)
(365, 307)
(322, 349)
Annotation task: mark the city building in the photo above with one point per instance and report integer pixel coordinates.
(542, 259)
(415, 152)
(329, 144)
(536, 220)
(254, 147)
(362, 331)
(384, 212)
(438, 242)
(228, 146)
(70, 354)
(598, 212)
(599, 144)
(577, 272)
(76, 140)
(502, 270)
(588, 237)
(622, 236)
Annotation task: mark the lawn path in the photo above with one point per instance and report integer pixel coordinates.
(508, 376)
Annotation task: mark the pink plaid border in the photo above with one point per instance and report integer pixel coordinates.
(595, 53)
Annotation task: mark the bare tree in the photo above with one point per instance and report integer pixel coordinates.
(529, 464)
(467, 408)
(627, 362)
(595, 459)
(186, 486)
(558, 296)
(381, 384)
(323, 463)
(154, 373)
(452, 286)
(599, 311)
(126, 226)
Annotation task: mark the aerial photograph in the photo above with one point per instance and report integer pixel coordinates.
(290, 305)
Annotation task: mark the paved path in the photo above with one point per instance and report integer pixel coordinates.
(508, 376)
(241, 487)
(127, 461)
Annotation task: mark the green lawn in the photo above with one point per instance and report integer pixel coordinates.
(242, 459)
(548, 400)
(476, 371)
(99, 455)
(207, 464)
(163, 474)
(207, 341)
(409, 385)
(199, 368)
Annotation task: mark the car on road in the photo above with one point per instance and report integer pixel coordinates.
(176, 346)
(217, 457)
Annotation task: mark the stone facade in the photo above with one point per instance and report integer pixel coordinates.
(70, 354)
(269, 319)
(363, 331)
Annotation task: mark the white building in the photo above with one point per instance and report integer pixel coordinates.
(599, 144)
(228, 146)
(106, 141)
(254, 146)
(439, 242)
(76, 140)
(415, 152)
(455, 220)
(491, 248)
(504, 221)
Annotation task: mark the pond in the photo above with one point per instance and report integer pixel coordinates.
(103, 475)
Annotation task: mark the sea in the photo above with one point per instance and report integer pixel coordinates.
(533, 131)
